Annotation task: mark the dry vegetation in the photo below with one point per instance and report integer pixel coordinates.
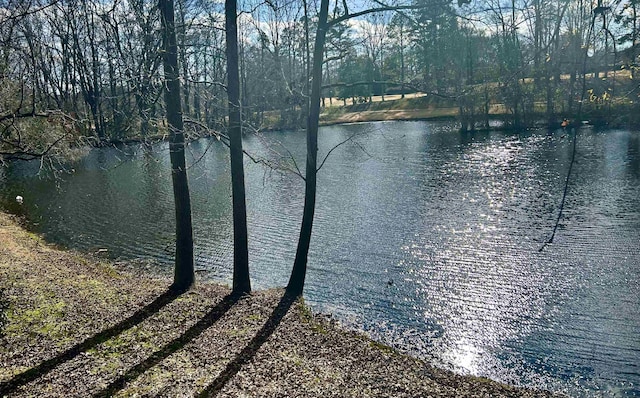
(79, 327)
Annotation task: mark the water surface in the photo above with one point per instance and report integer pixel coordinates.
(426, 238)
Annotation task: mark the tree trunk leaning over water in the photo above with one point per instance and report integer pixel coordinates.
(298, 274)
(184, 275)
(241, 281)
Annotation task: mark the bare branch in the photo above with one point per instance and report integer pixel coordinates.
(352, 136)
(23, 154)
(370, 11)
(32, 113)
(258, 160)
(29, 12)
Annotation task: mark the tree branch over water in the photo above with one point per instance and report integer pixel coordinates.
(254, 158)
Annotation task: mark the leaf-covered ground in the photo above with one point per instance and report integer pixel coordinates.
(79, 327)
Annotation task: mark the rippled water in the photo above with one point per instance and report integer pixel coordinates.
(426, 238)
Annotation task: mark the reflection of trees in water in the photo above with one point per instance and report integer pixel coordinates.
(154, 179)
(633, 155)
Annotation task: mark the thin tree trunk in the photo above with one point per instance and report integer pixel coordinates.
(402, 56)
(183, 56)
(241, 281)
(307, 65)
(184, 275)
(298, 274)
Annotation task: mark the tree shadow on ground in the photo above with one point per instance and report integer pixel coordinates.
(8, 387)
(178, 343)
(251, 348)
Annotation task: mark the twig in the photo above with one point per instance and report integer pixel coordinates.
(352, 136)
(225, 140)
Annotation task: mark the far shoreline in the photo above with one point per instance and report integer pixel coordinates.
(403, 110)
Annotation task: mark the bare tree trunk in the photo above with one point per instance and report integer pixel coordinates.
(298, 274)
(184, 275)
(183, 55)
(402, 56)
(241, 281)
(307, 65)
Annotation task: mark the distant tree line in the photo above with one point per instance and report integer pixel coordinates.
(92, 69)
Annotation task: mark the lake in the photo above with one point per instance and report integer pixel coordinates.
(426, 238)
